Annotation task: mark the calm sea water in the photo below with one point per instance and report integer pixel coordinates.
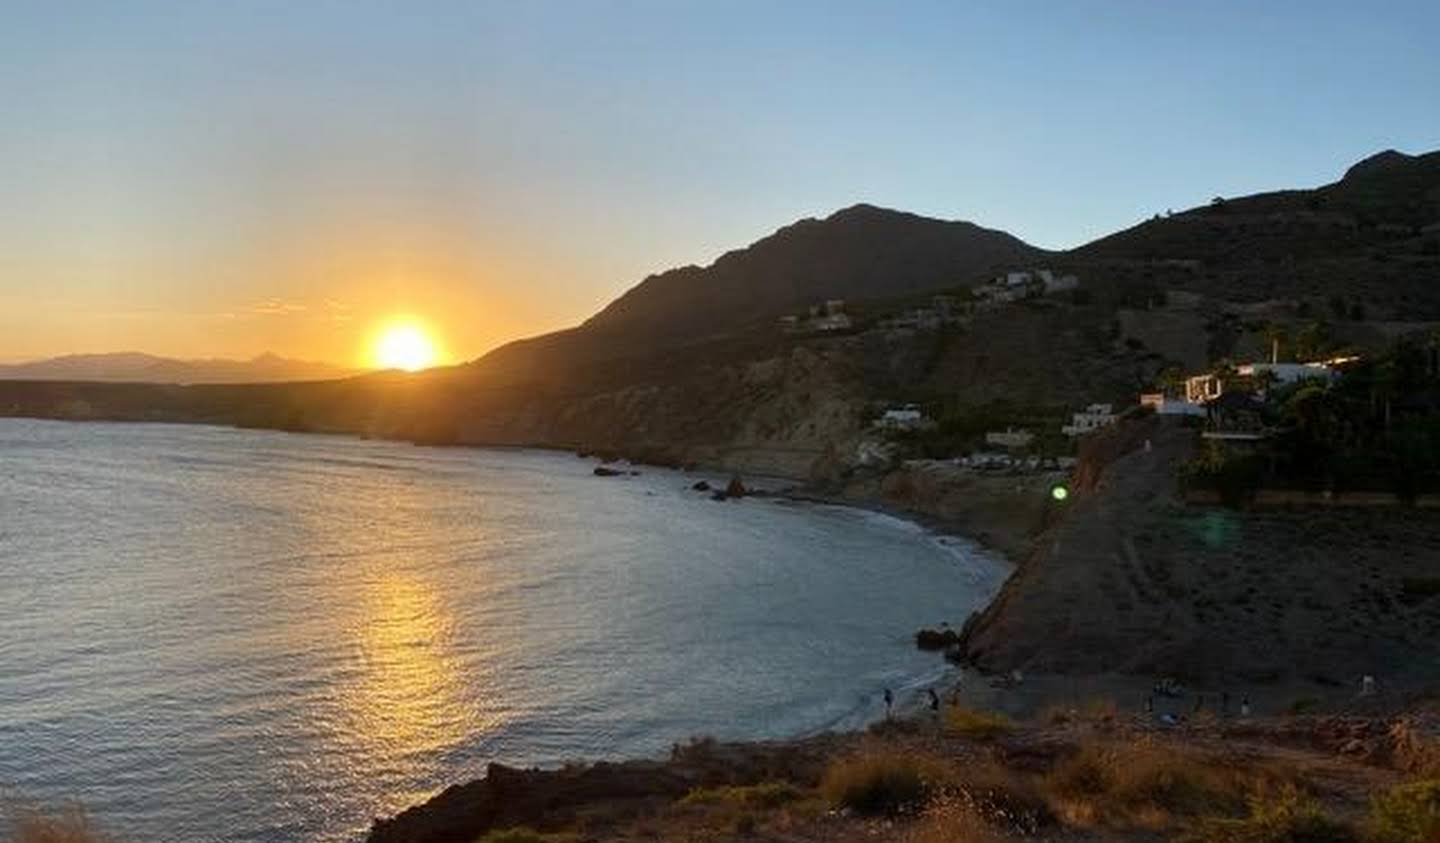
(220, 635)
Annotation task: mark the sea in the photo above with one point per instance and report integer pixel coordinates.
(211, 634)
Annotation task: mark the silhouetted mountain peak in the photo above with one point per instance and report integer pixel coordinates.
(1380, 162)
(862, 251)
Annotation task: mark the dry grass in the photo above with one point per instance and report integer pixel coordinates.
(1002, 798)
(1281, 816)
(979, 725)
(1413, 749)
(69, 824)
(950, 821)
(1407, 813)
(765, 795)
(1142, 785)
(882, 781)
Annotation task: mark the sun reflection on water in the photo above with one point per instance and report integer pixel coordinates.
(407, 700)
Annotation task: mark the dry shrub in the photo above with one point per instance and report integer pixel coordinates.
(884, 781)
(1413, 749)
(69, 824)
(1144, 785)
(1282, 815)
(764, 795)
(1407, 813)
(1001, 798)
(950, 821)
(980, 725)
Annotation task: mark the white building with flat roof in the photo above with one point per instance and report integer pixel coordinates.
(1202, 389)
(1164, 405)
(1089, 420)
(904, 417)
(1010, 438)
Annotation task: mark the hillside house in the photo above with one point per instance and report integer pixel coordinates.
(904, 417)
(830, 316)
(1089, 420)
(1164, 405)
(1014, 286)
(1010, 439)
(1254, 377)
(1059, 283)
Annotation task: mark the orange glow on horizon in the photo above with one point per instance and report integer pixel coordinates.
(406, 344)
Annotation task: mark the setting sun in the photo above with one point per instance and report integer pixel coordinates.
(405, 345)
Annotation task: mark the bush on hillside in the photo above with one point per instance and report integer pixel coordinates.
(884, 782)
(1283, 817)
(1407, 813)
(763, 795)
(980, 725)
(1143, 785)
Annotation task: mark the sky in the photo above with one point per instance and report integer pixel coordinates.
(202, 179)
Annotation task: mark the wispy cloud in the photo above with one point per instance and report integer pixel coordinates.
(277, 307)
(339, 311)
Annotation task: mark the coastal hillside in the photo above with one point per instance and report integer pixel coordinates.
(860, 252)
(695, 366)
(1370, 240)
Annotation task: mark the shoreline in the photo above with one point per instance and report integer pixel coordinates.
(1370, 744)
(868, 708)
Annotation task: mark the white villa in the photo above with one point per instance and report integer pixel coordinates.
(1089, 420)
(1202, 389)
(1013, 286)
(1010, 438)
(905, 417)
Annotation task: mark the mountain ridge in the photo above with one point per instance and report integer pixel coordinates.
(141, 367)
(850, 253)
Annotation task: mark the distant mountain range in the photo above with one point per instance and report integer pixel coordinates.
(134, 367)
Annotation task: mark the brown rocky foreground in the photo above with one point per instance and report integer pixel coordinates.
(1081, 772)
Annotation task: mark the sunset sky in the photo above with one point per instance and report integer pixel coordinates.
(222, 179)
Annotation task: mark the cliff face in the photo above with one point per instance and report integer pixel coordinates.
(795, 414)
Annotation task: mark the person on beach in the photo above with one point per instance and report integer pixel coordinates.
(889, 703)
(1244, 706)
(934, 700)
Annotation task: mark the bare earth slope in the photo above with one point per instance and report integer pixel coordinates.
(1134, 581)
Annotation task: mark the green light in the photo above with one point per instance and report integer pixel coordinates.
(1059, 493)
